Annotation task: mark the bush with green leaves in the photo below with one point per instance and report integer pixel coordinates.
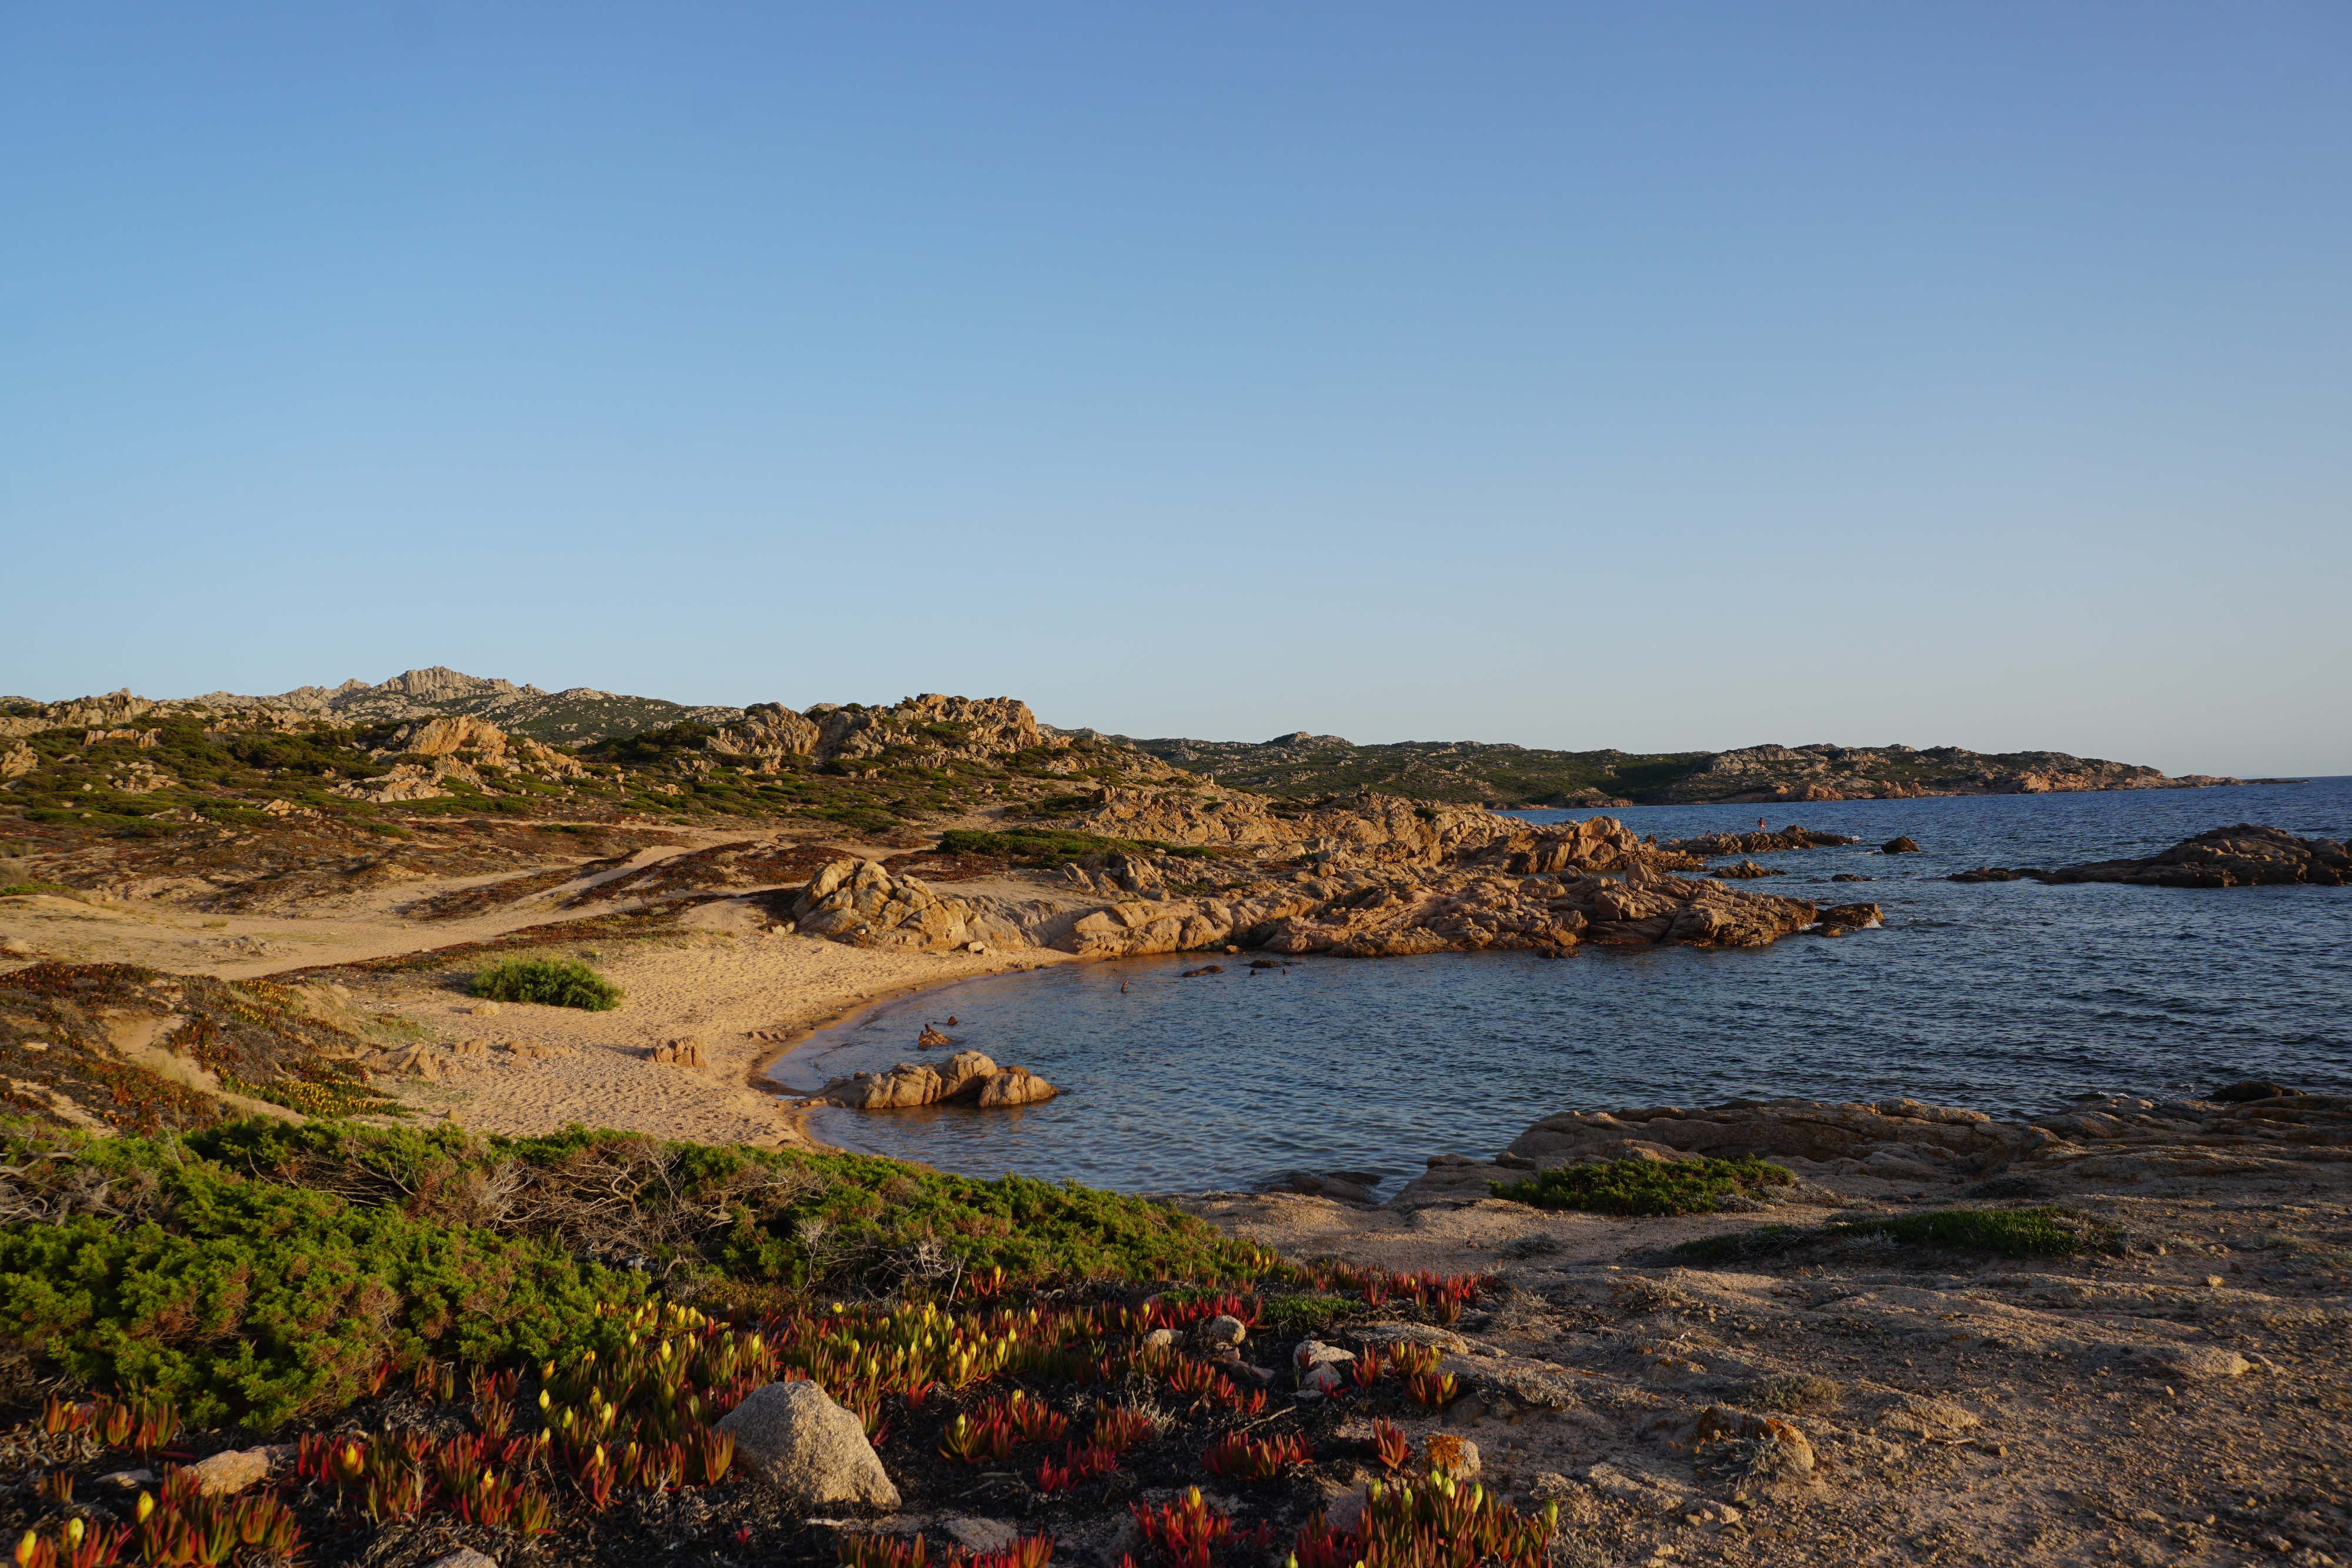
(2003, 1232)
(256, 1299)
(261, 1269)
(1048, 846)
(556, 982)
(1644, 1187)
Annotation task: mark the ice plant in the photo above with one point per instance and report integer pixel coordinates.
(1392, 1447)
(1080, 1463)
(1184, 1530)
(1256, 1459)
(1118, 1429)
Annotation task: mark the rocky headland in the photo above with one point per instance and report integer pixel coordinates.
(1306, 765)
(1374, 876)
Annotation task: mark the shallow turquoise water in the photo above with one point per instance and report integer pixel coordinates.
(2005, 996)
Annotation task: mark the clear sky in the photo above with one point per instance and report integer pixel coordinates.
(1661, 376)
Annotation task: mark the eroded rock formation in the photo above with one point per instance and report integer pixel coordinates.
(967, 1078)
(860, 903)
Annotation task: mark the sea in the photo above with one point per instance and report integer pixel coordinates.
(2013, 997)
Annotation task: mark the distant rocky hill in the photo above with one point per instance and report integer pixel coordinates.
(847, 738)
(568, 718)
(1311, 766)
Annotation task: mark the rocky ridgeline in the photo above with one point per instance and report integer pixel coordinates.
(931, 729)
(573, 717)
(1772, 774)
(1378, 877)
(2250, 1130)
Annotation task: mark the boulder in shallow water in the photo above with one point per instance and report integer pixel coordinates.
(2241, 856)
(968, 1076)
(1899, 846)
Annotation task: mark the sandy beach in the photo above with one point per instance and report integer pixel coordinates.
(722, 973)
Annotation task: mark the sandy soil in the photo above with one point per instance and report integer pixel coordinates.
(2188, 1402)
(746, 992)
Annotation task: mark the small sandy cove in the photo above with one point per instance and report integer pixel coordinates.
(746, 992)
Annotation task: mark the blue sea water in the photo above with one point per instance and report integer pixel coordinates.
(2010, 997)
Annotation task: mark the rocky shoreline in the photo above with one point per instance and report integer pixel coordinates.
(1375, 876)
(2109, 1333)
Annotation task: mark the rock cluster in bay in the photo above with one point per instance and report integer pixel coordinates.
(968, 1077)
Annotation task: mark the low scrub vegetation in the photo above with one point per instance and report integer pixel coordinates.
(2002, 1232)
(1644, 1187)
(552, 982)
(1051, 846)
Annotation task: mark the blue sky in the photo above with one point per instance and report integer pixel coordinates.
(1664, 377)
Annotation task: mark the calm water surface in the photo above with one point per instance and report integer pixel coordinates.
(2004, 996)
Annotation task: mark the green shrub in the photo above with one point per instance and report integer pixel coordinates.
(1307, 1314)
(1643, 1187)
(2007, 1232)
(554, 982)
(258, 1270)
(1732, 1246)
(1046, 846)
(260, 1301)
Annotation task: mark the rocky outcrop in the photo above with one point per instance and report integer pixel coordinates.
(1368, 914)
(928, 728)
(859, 902)
(1759, 842)
(1373, 830)
(1745, 871)
(2116, 1140)
(2243, 856)
(1355, 884)
(967, 1078)
(457, 745)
